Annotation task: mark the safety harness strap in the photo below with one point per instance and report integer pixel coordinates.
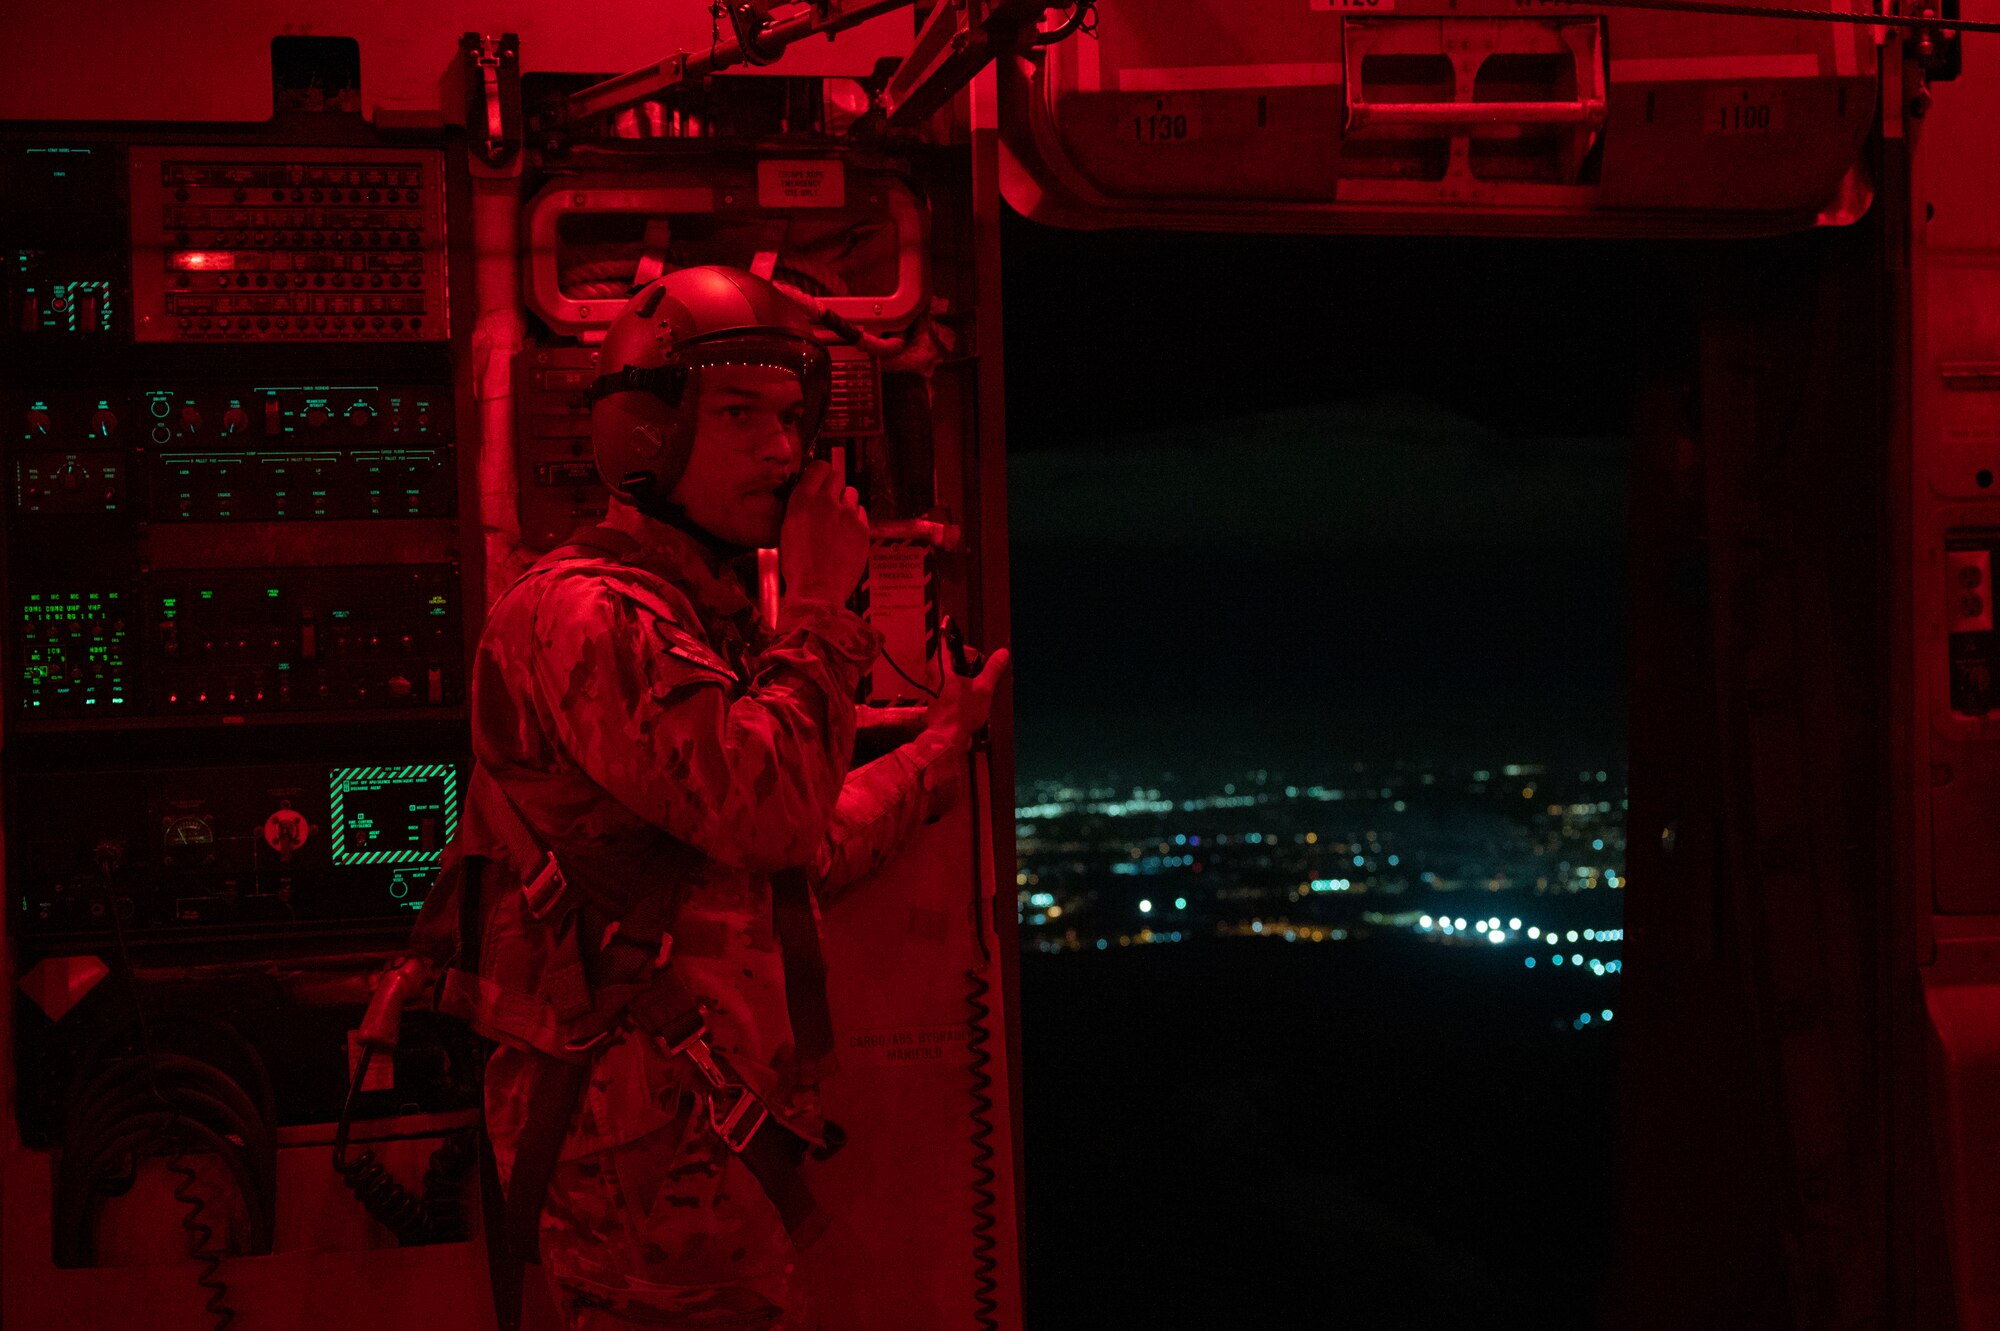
(628, 963)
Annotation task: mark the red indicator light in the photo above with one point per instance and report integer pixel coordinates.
(201, 261)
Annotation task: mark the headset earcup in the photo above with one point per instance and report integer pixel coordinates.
(635, 432)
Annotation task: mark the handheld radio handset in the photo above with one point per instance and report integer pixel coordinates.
(964, 660)
(382, 1024)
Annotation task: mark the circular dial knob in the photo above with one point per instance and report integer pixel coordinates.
(359, 415)
(38, 422)
(235, 421)
(104, 423)
(190, 419)
(316, 417)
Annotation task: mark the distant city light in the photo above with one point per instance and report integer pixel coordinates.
(1078, 834)
(1606, 1014)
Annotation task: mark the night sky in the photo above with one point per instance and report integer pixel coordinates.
(1295, 501)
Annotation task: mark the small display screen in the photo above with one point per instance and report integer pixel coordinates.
(392, 815)
(74, 651)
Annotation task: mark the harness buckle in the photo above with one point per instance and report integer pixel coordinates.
(741, 1123)
(746, 1112)
(547, 888)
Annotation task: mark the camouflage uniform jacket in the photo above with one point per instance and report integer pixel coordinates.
(621, 697)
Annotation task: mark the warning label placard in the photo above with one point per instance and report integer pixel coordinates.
(801, 184)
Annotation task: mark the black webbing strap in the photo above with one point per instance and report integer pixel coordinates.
(558, 1091)
(797, 929)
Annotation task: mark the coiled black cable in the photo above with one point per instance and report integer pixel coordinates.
(979, 1034)
(437, 1215)
(986, 1200)
(119, 1110)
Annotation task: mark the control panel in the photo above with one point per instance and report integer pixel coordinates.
(243, 452)
(307, 639)
(177, 849)
(1974, 645)
(234, 642)
(292, 245)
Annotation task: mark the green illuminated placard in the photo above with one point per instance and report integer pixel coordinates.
(392, 815)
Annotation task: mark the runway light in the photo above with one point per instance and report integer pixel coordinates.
(1572, 935)
(1496, 937)
(1576, 958)
(1145, 908)
(1529, 962)
(1423, 921)
(1606, 1014)
(1515, 923)
(1534, 931)
(1180, 903)
(1458, 924)
(1558, 959)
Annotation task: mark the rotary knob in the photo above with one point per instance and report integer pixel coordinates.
(360, 415)
(38, 422)
(316, 417)
(104, 423)
(235, 421)
(190, 419)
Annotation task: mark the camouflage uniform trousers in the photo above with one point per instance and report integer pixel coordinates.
(669, 1230)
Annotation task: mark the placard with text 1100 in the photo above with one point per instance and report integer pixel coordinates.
(392, 815)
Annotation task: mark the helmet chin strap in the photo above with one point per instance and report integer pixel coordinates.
(643, 494)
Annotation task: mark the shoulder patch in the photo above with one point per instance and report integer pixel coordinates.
(688, 647)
